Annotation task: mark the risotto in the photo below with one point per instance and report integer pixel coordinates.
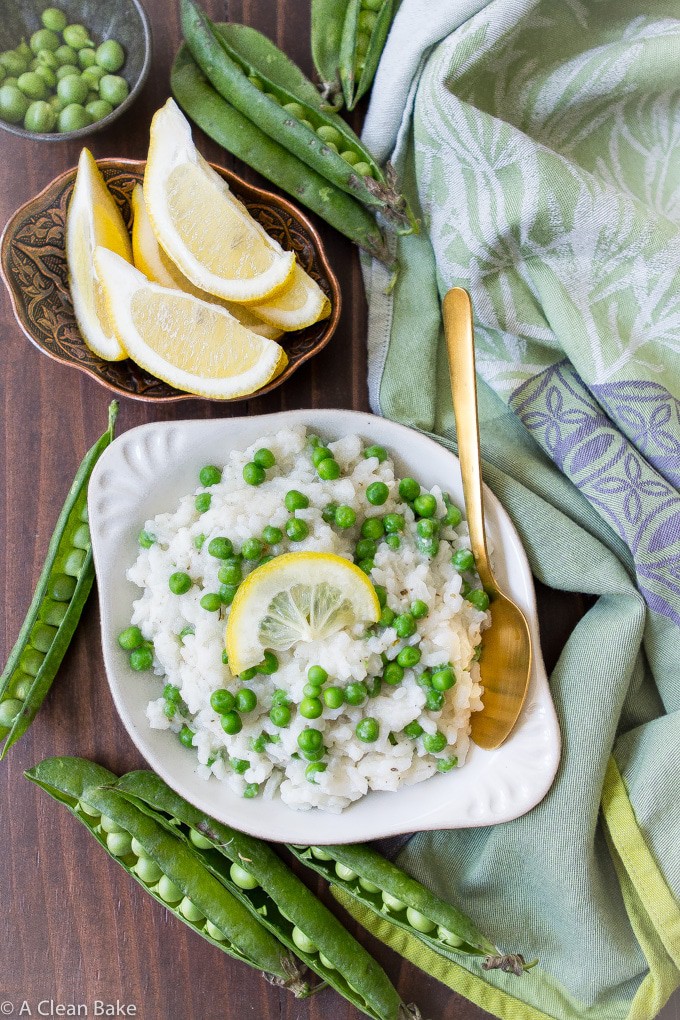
(370, 706)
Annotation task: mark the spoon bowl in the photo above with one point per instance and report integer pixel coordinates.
(505, 665)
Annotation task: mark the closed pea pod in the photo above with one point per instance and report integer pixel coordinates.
(245, 140)
(353, 972)
(88, 791)
(406, 903)
(66, 579)
(230, 70)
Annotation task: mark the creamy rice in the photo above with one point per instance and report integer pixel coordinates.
(188, 641)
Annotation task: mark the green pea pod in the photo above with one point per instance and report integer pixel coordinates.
(299, 126)
(388, 891)
(240, 136)
(81, 784)
(328, 18)
(358, 65)
(354, 973)
(58, 601)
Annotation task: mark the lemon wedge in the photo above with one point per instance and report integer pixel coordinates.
(301, 304)
(303, 596)
(191, 344)
(151, 260)
(93, 219)
(204, 229)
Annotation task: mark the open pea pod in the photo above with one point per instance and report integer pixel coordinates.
(380, 885)
(58, 601)
(320, 139)
(244, 139)
(328, 19)
(314, 930)
(88, 791)
(363, 37)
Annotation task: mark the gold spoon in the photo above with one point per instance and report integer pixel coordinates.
(505, 664)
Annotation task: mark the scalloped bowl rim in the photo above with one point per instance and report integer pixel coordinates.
(144, 472)
(98, 125)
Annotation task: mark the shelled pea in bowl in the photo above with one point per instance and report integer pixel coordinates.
(170, 278)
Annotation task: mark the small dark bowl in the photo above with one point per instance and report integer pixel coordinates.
(124, 20)
(33, 265)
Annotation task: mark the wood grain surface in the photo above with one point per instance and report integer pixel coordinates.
(74, 929)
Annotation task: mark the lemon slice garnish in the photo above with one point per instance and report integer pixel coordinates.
(303, 596)
(93, 219)
(151, 260)
(204, 229)
(190, 344)
(300, 304)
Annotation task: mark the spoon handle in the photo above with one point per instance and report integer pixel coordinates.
(457, 312)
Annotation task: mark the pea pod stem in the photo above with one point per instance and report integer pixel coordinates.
(58, 551)
(244, 139)
(355, 974)
(231, 78)
(406, 892)
(76, 781)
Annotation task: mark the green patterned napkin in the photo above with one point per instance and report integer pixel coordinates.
(541, 141)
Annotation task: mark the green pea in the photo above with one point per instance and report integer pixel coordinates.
(172, 693)
(446, 764)
(393, 673)
(252, 549)
(405, 625)
(222, 701)
(108, 825)
(211, 602)
(72, 89)
(209, 475)
(21, 686)
(13, 104)
(453, 515)
(141, 659)
(9, 710)
(130, 638)
(350, 157)
(186, 736)
(32, 85)
(367, 21)
(86, 57)
(479, 599)
(239, 765)
(47, 76)
(264, 458)
(81, 537)
(65, 71)
(392, 903)
(370, 887)
(310, 740)
(356, 693)
(333, 697)
(295, 110)
(425, 679)
(419, 921)
(203, 502)
(413, 730)
(93, 75)
(362, 43)
(344, 516)
(409, 489)
(377, 493)
(146, 539)
(110, 55)
(74, 562)
(256, 83)
(168, 891)
(199, 840)
(147, 870)
(119, 843)
(443, 679)
(228, 593)
(72, 118)
(409, 657)
(434, 742)
(448, 937)
(246, 700)
(214, 932)
(296, 529)
(345, 873)
(366, 548)
(313, 769)
(179, 582)
(272, 535)
(328, 469)
(368, 730)
(66, 55)
(366, 565)
(304, 944)
(46, 58)
(42, 636)
(280, 715)
(328, 513)
(310, 708)
(76, 36)
(54, 19)
(31, 661)
(190, 911)
(251, 790)
(463, 560)
(427, 528)
(329, 134)
(54, 613)
(221, 548)
(372, 528)
(434, 700)
(425, 505)
(253, 474)
(387, 617)
(231, 572)
(320, 453)
(248, 674)
(295, 500)
(44, 39)
(87, 809)
(269, 664)
(242, 878)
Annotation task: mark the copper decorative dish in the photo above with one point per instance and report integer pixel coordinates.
(33, 263)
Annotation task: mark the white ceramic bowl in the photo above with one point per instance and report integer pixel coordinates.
(145, 472)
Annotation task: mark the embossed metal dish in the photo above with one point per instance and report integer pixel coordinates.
(145, 472)
(33, 264)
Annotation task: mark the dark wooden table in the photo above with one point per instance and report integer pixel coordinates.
(74, 929)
